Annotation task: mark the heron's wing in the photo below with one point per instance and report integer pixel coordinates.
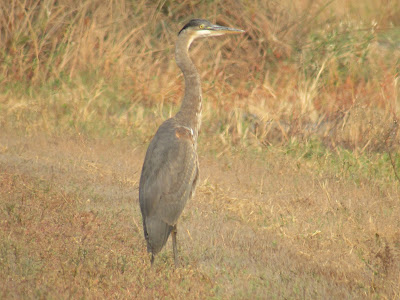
(169, 171)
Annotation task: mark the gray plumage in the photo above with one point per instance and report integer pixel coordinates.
(171, 169)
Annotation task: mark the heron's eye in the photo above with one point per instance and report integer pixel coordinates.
(201, 26)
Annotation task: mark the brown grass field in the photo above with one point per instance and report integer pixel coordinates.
(299, 195)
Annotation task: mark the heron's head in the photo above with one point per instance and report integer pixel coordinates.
(197, 28)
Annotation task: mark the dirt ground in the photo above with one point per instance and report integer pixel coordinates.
(274, 228)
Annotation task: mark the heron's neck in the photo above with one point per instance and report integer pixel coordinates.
(190, 112)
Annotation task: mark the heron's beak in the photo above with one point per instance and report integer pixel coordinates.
(219, 30)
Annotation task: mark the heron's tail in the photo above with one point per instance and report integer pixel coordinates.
(156, 233)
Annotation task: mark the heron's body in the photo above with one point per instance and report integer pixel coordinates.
(168, 180)
(171, 169)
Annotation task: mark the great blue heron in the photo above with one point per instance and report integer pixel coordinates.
(171, 168)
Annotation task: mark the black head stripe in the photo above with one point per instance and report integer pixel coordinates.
(194, 23)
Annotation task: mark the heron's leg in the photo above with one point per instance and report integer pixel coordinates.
(174, 232)
(152, 259)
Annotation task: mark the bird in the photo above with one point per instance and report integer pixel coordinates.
(170, 171)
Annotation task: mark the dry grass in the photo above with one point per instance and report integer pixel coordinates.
(60, 237)
(299, 149)
(71, 227)
(314, 68)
